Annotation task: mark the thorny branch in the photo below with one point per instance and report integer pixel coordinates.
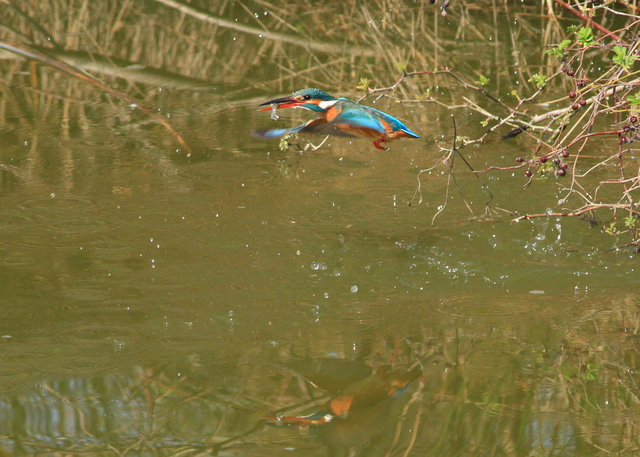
(563, 135)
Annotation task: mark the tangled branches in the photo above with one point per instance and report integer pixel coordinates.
(600, 112)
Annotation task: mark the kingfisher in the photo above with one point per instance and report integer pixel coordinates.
(338, 116)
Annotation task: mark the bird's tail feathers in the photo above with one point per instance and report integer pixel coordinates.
(277, 133)
(270, 134)
(409, 133)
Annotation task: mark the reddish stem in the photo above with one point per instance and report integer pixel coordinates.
(588, 20)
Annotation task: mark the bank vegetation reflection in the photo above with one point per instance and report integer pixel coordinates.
(424, 394)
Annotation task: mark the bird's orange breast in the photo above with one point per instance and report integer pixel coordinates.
(332, 113)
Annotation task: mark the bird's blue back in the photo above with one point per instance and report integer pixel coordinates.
(371, 118)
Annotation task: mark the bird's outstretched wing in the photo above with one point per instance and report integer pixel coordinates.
(318, 125)
(360, 118)
(367, 118)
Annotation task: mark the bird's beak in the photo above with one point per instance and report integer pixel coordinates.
(284, 102)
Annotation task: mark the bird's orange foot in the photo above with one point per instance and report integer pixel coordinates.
(381, 140)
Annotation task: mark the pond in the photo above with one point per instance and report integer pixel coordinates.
(172, 285)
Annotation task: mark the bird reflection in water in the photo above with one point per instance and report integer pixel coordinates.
(362, 404)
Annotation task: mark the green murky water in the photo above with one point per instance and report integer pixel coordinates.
(156, 301)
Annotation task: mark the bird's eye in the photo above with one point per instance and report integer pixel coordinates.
(307, 97)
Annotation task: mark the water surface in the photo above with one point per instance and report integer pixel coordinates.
(163, 301)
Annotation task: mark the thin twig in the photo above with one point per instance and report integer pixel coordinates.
(588, 20)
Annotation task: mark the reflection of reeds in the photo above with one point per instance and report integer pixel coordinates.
(522, 389)
(40, 57)
(265, 33)
(332, 45)
(284, 47)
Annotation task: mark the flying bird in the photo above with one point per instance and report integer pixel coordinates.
(338, 116)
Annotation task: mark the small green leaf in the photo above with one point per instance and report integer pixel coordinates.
(461, 140)
(558, 50)
(611, 229)
(572, 28)
(564, 45)
(585, 36)
(540, 80)
(555, 52)
(623, 58)
(631, 221)
(621, 51)
(634, 100)
(363, 84)
(482, 80)
(401, 66)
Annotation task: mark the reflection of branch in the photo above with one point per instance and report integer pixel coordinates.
(38, 56)
(217, 447)
(416, 422)
(301, 41)
(121, 68)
